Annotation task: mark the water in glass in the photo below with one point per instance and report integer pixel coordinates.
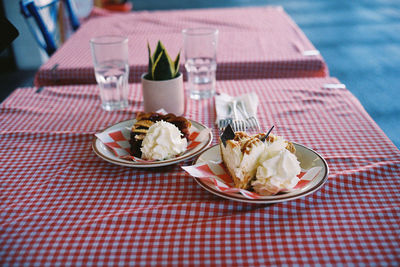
(112, 77)
(201, 77)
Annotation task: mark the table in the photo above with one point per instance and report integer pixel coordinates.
(62, 205)
(257, 42)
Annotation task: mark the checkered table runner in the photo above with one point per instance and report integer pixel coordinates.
(62, 205)
(253, 43)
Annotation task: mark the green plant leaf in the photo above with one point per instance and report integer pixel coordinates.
(162, 67)
(176, 64)
(151, 61)
(159, 48)
(154, 65)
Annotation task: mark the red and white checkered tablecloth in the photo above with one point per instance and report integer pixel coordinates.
(62, 205)
(257, 42)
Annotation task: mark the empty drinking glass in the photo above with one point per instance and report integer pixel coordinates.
(110, 58)
(200, 49)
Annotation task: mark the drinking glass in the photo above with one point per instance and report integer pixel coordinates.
(110, 59)
(200, 49)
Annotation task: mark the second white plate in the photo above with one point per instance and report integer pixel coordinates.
(307, 157)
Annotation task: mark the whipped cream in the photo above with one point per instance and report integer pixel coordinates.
(163, 141)
(277, 171)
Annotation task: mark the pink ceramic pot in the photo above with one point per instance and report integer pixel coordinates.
(168, 95)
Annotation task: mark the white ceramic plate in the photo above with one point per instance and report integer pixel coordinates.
(307, 157)
(105, 153)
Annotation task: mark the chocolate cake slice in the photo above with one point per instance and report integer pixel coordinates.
(145, 120)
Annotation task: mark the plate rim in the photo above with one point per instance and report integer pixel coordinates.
(153, 163)
(266, 201)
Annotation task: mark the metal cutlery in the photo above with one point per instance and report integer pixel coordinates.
(237, 124)
(251, 121)
(223, 123)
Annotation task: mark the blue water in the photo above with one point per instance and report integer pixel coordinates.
(359, 40)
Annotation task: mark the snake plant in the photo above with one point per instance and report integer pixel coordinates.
(161, 66)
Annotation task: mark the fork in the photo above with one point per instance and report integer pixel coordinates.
(223, 123)
(237, 124)
(251, 121)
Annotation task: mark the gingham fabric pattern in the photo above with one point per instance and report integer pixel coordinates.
(62, 205)
(253, 43)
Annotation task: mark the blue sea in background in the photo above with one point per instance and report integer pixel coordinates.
(359, 40)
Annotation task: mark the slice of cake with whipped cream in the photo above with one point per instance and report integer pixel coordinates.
(163, 141)
(263, 163)
(156, 136)
(241, 155)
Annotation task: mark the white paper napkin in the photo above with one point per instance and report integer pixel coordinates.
(222, 102)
